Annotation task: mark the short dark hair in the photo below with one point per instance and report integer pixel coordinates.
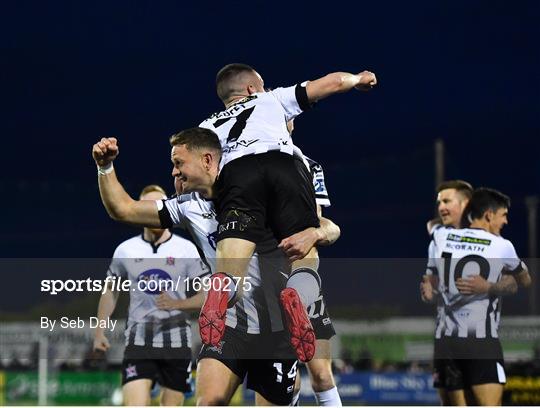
(196, 138)
(225, 78)
(461, 186)
(484, 199)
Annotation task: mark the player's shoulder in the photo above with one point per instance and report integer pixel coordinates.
(439, 230)
(187, 198)
(129, 244)
(183, 246)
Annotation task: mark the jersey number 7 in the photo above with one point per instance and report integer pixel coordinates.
(238, 127)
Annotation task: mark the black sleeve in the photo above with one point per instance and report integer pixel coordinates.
(302, 98)
(515, 271)
(164, 217)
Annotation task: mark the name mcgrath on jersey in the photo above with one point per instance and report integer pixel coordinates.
(258, 123)
(461, 253)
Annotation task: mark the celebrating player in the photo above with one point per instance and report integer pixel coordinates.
(264, 181)
(158, 334)
(254, 323)
(471, 264)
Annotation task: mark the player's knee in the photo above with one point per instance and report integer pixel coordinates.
(136, 400)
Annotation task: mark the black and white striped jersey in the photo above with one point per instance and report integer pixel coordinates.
(258, 123)
(461, 253)
(258, 310)
(152, 269)
(321, 193)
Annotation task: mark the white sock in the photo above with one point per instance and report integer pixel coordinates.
(329, 398)
(307, 283)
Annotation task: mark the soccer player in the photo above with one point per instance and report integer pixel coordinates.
(254, 323)
(452, 198)
(470, 265)
(320, 367)
(264, 181)
(158, 336)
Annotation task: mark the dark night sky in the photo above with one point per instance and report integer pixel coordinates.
(71, 72)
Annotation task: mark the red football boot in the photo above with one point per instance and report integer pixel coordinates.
(214, 310)
(302, 334)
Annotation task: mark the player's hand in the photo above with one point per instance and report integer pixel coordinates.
(426, 289)
(165, 302)
(101, 342)
(367, 81)
(473, 285)
(105, 151)
(297, 246)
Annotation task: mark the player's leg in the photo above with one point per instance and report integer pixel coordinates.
(137, 392)
(448, 375)
(303, 289)
(485, 379)
(138, 375)
(175, 377)
(320, 368)
(456, 398)
(224, 289)
(293, 209)
(260, 401)
(241, 209)
(171, 398)
(321, 377)
(216, 383)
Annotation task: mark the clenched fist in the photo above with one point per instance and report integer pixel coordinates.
(105, 151)
(367, 81)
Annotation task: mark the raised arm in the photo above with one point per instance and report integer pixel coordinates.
(119, 205)
(339, 82)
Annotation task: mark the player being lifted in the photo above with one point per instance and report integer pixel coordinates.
(264, 181)
(471, 264)
(158, 341)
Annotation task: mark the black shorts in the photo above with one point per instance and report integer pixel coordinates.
(259, 191)
(455, 369)
(320, 320)
(170, 368)
(267, 360)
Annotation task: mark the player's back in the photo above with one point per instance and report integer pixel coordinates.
(463, 253)
(256, 124)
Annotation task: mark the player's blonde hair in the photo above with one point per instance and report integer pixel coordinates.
(151, 188)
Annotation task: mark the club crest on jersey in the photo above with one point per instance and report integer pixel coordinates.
(131, 371)
(170, 260)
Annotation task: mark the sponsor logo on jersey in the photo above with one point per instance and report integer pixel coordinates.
(469, 240)
(170, 260)
(156, 281)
